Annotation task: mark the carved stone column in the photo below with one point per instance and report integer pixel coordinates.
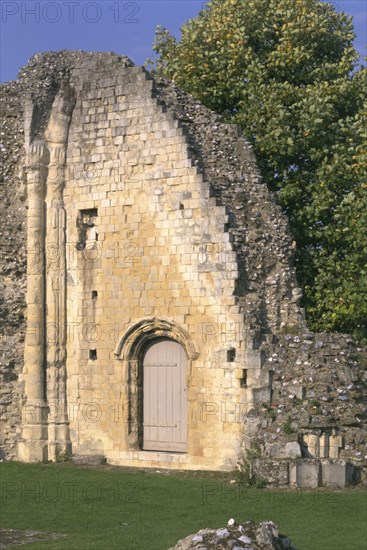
(56, 136)
(33, 446)
(45, 421)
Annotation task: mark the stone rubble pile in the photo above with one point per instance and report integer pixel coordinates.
(249, 535)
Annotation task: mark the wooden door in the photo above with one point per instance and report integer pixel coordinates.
(164, 397)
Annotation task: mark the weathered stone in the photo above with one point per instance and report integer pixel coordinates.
(293, 450)
(16, 537)
(91, 460)
(298, 391)
(244, 539)
(312, 442)
(335, 444)
(273, 472)
(336, 473)
(305, 473)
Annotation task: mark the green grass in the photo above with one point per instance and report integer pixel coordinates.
(116, 509)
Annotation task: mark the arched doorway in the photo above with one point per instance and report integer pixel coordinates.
(131, 350)
(164, 396)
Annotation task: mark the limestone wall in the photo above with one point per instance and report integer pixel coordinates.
(152, 214)
(266, 289)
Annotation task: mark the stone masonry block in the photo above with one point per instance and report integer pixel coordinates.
(305, 473)
(336, 473)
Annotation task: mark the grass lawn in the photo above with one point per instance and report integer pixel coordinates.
(110, 509)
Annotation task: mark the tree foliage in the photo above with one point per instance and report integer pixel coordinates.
(285, 71)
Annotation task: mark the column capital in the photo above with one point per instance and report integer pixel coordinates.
(37, 155)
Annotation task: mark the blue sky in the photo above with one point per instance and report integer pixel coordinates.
(121, 26)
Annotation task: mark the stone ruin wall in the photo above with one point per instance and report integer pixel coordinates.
(317, 406)
(150, 198)
(12, 267)
(315, 379)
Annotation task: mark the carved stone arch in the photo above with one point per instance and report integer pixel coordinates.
(130, 350)
(137, 336)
